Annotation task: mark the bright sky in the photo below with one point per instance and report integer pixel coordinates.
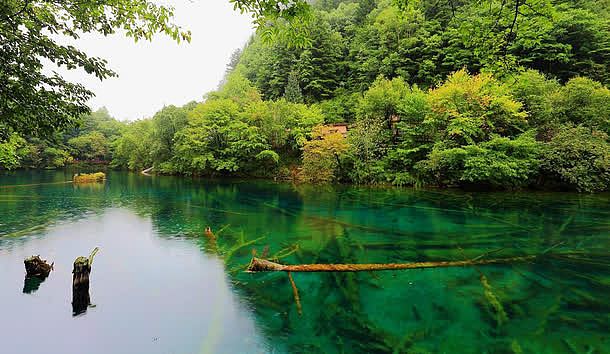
(162, 72)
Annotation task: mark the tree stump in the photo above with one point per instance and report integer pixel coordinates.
(36, 271)
(37, 267)
(80, 283)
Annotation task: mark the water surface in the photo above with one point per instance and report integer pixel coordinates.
(159, 285)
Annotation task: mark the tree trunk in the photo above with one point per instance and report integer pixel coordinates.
(147, 171)
(261, 265)
(80, 283)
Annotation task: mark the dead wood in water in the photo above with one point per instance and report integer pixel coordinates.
(146, 172)
(80, 283)
(37, 270)
(37, 267)
(262, 265)
(295, 291)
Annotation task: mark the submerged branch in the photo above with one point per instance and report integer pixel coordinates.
(262, 265)
(295, 291)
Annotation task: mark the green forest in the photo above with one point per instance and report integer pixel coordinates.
(485, 94)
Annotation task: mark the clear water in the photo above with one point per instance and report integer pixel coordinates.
(159, 285)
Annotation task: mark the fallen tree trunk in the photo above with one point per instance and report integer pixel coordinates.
(262, 265)
(147, 171)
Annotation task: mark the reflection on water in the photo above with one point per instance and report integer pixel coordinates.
(31, 284)
(162, 286)
(81, 299)
(152, 294)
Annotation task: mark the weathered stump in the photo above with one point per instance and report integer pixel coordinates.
(36, 271)
(80, 283)
(37, 267)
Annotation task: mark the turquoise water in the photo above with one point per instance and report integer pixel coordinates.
(159, 285)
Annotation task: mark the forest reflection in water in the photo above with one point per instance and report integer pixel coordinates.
(152, 267)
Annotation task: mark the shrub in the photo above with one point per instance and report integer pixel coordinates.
(89, 177)
(498, 163)
(578, 158)
(321, 156)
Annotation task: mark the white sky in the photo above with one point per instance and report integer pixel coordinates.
(162, 72)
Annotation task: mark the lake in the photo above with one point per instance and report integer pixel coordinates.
(159, 285)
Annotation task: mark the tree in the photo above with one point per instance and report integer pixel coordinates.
(293, 93)
(283, 20)
(132, 149)
(536, 92)
(285, 125)
(578, 159)
(322, 156)
(165, 125)
(35, 102)
(9, 152)
(91, 146)
(469, 109)
(231, 66)
(584, 101)
(55, 158)
(374, 135)
(216, 140)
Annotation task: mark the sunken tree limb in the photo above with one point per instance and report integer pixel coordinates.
(295, 291)
(262, 265)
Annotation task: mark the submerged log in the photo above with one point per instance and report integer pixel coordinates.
(262, 265)
(80, 283)
(37, 267)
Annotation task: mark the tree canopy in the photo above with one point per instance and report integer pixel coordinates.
(35, 101)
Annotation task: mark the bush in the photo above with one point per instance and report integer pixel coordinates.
(578, 158)
(9, 152)
(56, 158)
(583, 101)
(321, 156)
(498, 163)
(89, 177)
(535, 91)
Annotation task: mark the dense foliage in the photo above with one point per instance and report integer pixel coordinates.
(34, 101)
(486, 94)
